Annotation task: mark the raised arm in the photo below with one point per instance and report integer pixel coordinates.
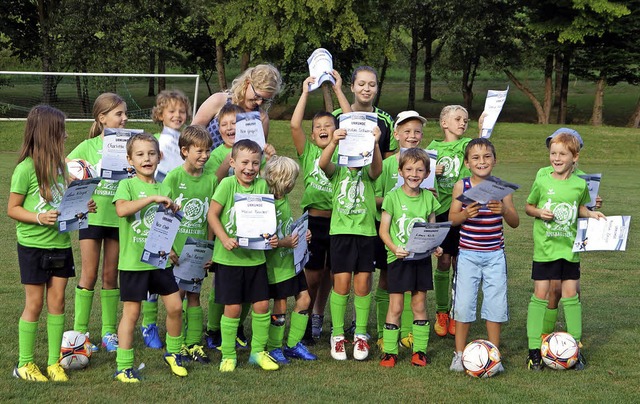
(337, 88)
(325, 162)
(297, 134)
(209, 108)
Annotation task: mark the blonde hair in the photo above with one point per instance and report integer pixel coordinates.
(281, 174)
(104, 104)
(450, 109)
(167, 97)
(263, 77)
(43, 141)
(194, 135)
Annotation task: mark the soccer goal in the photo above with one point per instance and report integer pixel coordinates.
(74, 93)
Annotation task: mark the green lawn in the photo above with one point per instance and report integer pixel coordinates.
(609, 296)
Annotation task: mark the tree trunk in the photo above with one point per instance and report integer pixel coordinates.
(49, 82)
(548, 90)
(558, 72)
(468, 77)
(543, 117)
(413, 67)
(245, 58)
(634, 120)
(428, 65)
(598, 102)
(152, 69)
(222, 78)
(326, 95)
(383, 70)
(162, 68)
(564, 89)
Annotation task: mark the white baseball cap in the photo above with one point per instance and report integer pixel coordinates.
(407, 115)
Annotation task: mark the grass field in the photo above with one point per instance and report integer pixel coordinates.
(609, 295)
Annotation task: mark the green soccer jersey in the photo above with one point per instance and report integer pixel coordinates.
(554, 239)
(354, 202)
(549, 169)
(133, 230)
(451, 156)
(224, 195)
(24, 182)
(217, 157)
(405, 211)
(105, 215)
(317, 187)
(388, 180)
(193, 194)
(280, 265)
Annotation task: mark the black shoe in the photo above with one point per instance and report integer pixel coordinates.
(241, 340)
(308, 339)
(534, 361)
(213, 339)
(581, 363)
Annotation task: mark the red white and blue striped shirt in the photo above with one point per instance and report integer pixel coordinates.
(483, 232)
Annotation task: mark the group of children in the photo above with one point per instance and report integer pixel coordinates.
(350, 210)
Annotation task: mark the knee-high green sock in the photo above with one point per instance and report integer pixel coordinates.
(390, 339)
(338, 306)
(194, 325)
(535, 318)
(149, 312)
(406, 321)
(441, 290)
(260, 331)
(573, 316)
(124, 359)
(549, 322)
(109, 299)
(215, 313)
(228, 330)
(55, 329)
(362, 305)
(26, 341)
(174, 343)
(244, 313)
(382, 306)
(83, 303)
(420, 330)
(276, 333)
(297, 328)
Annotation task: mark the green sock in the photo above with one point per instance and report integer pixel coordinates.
(297, 328)
(260, 331)
(362, 305)
(83, 303)
(420, 337)
(55, 329)
(549, 322)
(26, 341)
(338, 305)
(215, 313)
(109, 299)
(174, 343)
(228, 329)
(194, 325)
(406, 321)
(535, 318)
(149, 312)
(124, 358)
(276, 335)
(390, 340)
(382, 306)
(441, 290)
(573, 316)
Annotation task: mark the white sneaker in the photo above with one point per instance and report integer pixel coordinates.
(337, 348)
(456, 363)
(361, 347)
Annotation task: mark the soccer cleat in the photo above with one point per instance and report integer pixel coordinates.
(316, 325)
(264, 360)
(380, 344)
(534, 360)
(452, 327)
(213, 339)
(337, 348)
(196, 352)
(279, 357)
(581, 363)
(151, 336)
(407, 341)
(228, 365)
(442, 324)
(110, 342)
(420, 359)
(56, 373)
(500, 368)
(388, 360)
(184, 353)
(89, 344)
(30, 372)
(127, 376)
(361, 347)
(299, 352)
(175, 363)
(308, 338)
(241, 340)
(456, 363)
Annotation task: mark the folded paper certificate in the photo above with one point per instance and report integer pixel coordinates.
(114, 154)
(593, 183)
(492, 108)
(491, 189)
(608, 234)
(425, 238)
(356, 150)
(255, 220)
(73, 207)
(249, 126)
(161, 236)
(320, 66)
(301, 252)
(195, 254)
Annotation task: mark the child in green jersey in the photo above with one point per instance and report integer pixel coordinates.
(136, 201)
(556, 201)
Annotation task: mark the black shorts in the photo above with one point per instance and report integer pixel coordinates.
(451, 243)
(38, 265)
(237, 285)
(410, 276)
(352, 253)
(136, 285)
(319, 247)
(290, 287)
(558, 269)
(380, 254)
(98, 233)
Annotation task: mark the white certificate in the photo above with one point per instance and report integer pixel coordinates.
(491, 189)
(492, 107)
(602, 235)
(255, 220)
(593, 183)
(195, 254)
(171, 157)
(301, 252)
(320, 66)
(161, 236)
(356, 150)
(114, 154)
(73, 207)
(249, 126)
(425, 238)
(429, 182)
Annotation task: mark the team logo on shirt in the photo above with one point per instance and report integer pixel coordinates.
(56, 198)
(405, 225)
(145, 220)
(564, 215)
(194, 210)
(320, 180)
(451, 166)
(351, 197)
(283, 226)
(229, 227)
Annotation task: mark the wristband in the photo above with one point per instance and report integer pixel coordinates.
(38, 218)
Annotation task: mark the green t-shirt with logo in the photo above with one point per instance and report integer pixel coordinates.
(354, 202)
(90, 150)
(451, 156)
(549, 169)
(554, 239)
(280, 265)
(217, 157)
(317, 187)
(224, 195)
(405, 211)
(24, 182)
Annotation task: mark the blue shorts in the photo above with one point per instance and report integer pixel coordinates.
(490, 268)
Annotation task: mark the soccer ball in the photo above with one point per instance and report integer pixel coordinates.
(81, 170)
(481, 358)
(75, 350)
(559, 350)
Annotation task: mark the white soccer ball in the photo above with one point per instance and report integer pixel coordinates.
(81, 169)
(481, 358)
(559, 350)
(75, 350)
